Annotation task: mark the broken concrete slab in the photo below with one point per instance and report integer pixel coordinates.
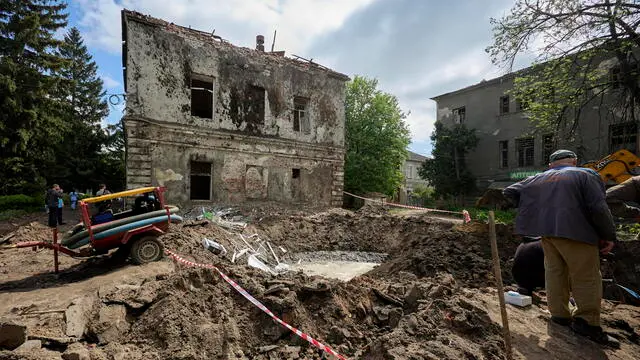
(77, 316)
(29, 345)
(111, 323)
(76, 351)
(13, 333)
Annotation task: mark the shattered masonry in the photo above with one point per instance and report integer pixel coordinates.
(216, 122)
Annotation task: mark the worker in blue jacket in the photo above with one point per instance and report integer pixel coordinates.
(566, 206)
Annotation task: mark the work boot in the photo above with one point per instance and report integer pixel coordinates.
(593, 333)
(561, 320)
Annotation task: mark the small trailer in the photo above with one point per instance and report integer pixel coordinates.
(134, 231)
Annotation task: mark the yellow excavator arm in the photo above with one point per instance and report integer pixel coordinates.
(615, 167)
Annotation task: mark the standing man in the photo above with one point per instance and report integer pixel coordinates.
(566, 206)
(53, 197)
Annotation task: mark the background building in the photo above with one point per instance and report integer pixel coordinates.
(215, 122)
(510, 148)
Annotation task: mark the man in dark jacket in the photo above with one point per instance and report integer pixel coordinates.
(566, 206)
(53, 199)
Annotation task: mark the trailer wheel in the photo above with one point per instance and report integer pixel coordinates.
(146, 249)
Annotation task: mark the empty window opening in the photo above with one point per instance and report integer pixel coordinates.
(201, 97)
(459, 115)
(623, 136)
(548, 145)
(295, 173)
(503, 146)
(525, 151)
(504, 104)
(301, 115)
(409, 173)
(200, 180)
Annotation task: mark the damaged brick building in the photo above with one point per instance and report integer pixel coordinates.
(216, 122)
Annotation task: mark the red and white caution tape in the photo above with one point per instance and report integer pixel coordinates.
(257, 303)
(464, 213)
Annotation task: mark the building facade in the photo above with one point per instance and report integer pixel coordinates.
(214, 122)
(510, 148)
(411, 177)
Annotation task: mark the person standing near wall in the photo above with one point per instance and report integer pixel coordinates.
(566, 206)
(60, 206)
(54, 194)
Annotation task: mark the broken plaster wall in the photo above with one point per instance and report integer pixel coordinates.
(253, 158)
(241, 170)
(160, 64)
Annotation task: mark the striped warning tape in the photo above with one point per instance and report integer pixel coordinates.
(464, 213)
(255, 302)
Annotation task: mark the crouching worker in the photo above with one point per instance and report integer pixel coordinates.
(528, 266)
(620, 195)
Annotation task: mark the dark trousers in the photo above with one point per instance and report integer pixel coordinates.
(55, 216)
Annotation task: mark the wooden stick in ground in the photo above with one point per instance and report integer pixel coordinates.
(498, 273)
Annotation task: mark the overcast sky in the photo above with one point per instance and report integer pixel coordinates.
(416, 48)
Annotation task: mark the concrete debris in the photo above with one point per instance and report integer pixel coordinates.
(77, 316)
(111, 322)
(76, 351)
(29, 345)
(12, 334)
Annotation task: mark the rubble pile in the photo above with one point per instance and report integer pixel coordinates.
(427, 300)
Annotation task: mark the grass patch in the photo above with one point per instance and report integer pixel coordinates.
(11, 214)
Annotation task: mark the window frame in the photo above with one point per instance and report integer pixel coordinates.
(202, 79)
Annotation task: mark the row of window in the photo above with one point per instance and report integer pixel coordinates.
(459, 114)
(621, 136)
(202, 103)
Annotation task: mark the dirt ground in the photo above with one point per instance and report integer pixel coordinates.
(432, 298)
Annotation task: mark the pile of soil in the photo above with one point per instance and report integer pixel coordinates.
(429, 300)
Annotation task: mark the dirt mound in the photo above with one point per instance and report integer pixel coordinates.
(33, 231)
(347, 231)
(464, 252)
(429, 300)
(195, 315)
(370, 208)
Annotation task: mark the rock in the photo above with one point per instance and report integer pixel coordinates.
(394, 317)
(381, 313)
(338, 335)
(290, 352)
(112, 322)
(264, 349)
(411, 298)
(12, 334)
(76, 351)
(77, 316)
(412, 324)
(29, 345)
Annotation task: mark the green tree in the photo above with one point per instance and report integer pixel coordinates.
(570, 39)
(112, 158)
(376, 139)
(29, 121)
(446, 170)
(83, 108)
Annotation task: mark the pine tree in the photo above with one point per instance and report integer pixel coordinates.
(29, 122)
(83, 96)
